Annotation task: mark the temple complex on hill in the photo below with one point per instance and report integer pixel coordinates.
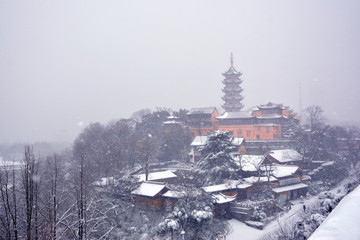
(264, 122)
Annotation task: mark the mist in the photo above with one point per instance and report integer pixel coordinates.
(65, 64)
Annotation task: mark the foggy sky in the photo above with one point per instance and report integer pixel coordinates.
(65, 64)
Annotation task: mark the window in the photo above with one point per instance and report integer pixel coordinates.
(267, 129)
(239, 132)
(258, 137)
(259, 128)
(248, 132)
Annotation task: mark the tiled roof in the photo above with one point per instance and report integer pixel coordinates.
(156, 176)
(149, 189)
(232, 70)
(235, 115)
(205, 110)
(286, 155)
(289, 188)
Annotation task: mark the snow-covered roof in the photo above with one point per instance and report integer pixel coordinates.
(343, 221)
(205, 110)
(234, 115)
(249, 163)
(270, 116)
(289, 188)
(243, 185)
(221, 198)
(254, 179)
(173, 194)
(219, 187)
(237, 141)
(286, 155)
(172, 122)
(266, 125)
(199, 141)
(104, 181)
(4, 164)
(280, 171)
(239, 184)
(172, 117)
(228, 185)
(305, 177)
(231, 70)
(156, 176)
(149, 189)
(329, 163)
(271, 105)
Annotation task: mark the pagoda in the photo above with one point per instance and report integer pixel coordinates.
(232, 90)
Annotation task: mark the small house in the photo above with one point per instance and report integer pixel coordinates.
(230, 188)
(222, 205)
(290, 185)
(285, 156)
(150, 193)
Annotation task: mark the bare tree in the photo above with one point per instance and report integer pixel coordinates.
(50, 195)
(315, 117)
(351, 146)
(146, 152)
(138, 115)
(9, 218)
(30, 185)
(81, 198)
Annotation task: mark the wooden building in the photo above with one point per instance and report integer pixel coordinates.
(232, 188)
(149, 194)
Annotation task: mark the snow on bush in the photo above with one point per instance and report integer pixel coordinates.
(317, 218)
(201, 215)
(258, 225)
(258, 214)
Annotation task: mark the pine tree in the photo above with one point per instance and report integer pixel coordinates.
(216, 164)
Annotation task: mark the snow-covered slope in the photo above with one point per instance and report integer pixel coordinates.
(343, 222)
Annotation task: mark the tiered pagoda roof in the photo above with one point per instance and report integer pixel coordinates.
(232, 98)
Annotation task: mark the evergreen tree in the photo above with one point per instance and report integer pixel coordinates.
(291, 127)
(216, 164)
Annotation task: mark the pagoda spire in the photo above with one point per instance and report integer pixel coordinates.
(232, 60)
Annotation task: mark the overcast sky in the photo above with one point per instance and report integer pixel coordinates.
(64, 64)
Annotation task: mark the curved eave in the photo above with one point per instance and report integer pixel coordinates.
(232, 80)
(239, 89)
(232, 98)
(227, 74)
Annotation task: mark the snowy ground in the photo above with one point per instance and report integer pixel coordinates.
(241, 231)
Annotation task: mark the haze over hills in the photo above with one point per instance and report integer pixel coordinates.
(66, 64)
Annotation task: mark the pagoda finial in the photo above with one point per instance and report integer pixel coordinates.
(232, 59)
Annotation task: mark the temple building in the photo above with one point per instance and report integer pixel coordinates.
(202, 121)
(232, 90)
(264, 122)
